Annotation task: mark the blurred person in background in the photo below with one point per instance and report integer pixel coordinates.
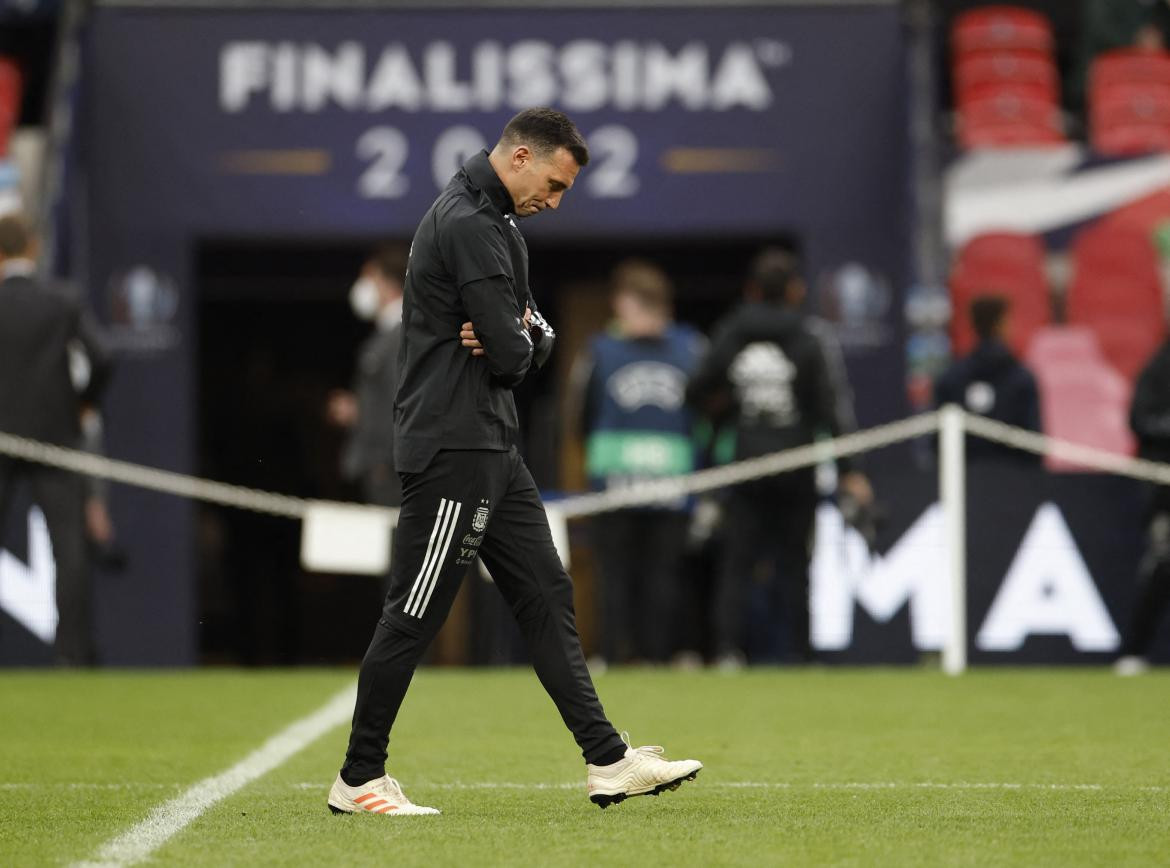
(101, 534)
(1111, 24)
(767, 375)
(1108, 25)
(1150, 419)
(368, 411)
(630, 402)
(992, 382)
(42, 332)
(471, 334)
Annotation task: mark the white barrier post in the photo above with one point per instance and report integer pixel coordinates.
(952, 479)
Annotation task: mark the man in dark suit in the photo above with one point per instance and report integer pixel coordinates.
(41, 329)
(368, 411)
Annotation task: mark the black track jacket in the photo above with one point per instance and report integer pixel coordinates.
(769, 369)
(468, 262)
(1150, 414)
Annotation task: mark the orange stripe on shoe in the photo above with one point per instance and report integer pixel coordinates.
(388, 808)
(364, 798)
(373, 805)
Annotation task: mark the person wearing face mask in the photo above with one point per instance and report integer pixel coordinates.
(368, 410)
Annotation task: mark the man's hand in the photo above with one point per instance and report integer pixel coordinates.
(468, 339)
(856, 485)
(98, 524)
(342, 408)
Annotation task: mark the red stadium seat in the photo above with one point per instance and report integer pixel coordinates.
(987, 74)
(1082, 398)
(10, 94)
(1116, 291)
(1010, 120)
(1131, 140)
(1007, 264)
(1147, 214)
(1129, 102)
(1129, 67)
(1001, 28)
(1131, 119)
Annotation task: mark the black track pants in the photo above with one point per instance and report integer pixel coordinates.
(468, 504)
(1153, 585)
(640, 552)
(768, 527)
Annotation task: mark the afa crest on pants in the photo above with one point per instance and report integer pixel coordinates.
(480, 519)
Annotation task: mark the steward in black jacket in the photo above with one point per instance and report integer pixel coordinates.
(992, 382)
(1150, 413)
(766, 373)
(1150, 419)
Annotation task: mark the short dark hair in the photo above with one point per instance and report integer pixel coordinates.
(773, 271)
(987, 314)
(390, 259)
(545, 130)
(644, 281)
(15, 237)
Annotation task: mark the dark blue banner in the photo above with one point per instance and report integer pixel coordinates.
(700, 121)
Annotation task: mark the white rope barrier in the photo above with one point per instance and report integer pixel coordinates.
(1076, 453)
(152, 478)
(675, 487)
(640, 494)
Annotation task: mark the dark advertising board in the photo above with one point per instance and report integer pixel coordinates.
(1052, 573)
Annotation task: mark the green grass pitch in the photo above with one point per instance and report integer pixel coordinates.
(810, 767)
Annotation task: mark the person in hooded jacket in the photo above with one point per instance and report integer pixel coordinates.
(766, 374)
(992, 382)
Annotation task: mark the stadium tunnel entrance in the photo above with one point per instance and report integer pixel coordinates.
(276, 336)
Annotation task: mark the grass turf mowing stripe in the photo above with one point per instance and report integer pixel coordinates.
(170, 818)
(783, 785)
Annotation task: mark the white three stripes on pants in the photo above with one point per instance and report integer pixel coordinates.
(432, 565)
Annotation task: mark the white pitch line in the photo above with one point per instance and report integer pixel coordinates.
(170, 818)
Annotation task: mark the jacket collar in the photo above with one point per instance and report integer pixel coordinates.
(482, 176)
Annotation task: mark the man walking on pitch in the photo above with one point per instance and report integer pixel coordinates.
(470, 334)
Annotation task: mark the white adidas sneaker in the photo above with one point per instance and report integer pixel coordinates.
(1131, 665)
(644, 771)
(380, 796)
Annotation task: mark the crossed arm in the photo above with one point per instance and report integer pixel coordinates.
(497, 344)
(467, 334)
